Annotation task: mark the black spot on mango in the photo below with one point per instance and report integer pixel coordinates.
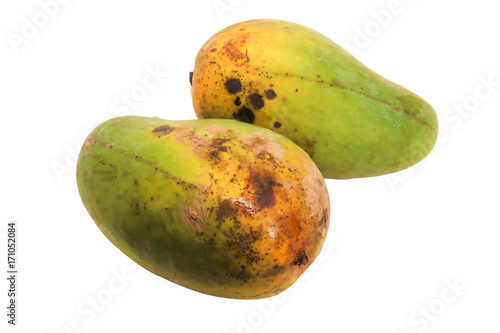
(233, 86)
(245, 115)
(256, 101)
(301, 258)
(270, 94)
(163, 130)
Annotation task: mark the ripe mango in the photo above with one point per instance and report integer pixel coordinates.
(297, 82)
(218, 206)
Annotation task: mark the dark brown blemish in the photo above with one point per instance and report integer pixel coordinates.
(226, 209)
(270, 94)
(191, 78)
(244, 114)
(237, 101)
(277, 124)
(325, 218)
(243, 275)
(308, 145)
(213, 50)
(163, 130)
(275, 270)
(233, 86)
(217, 147)
(264, 192)
(301, 258)
(256, 101)
(219, 141)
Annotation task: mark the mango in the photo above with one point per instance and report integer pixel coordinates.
(295, 81)
(217, 206)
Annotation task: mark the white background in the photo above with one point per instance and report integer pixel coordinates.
(396, 243)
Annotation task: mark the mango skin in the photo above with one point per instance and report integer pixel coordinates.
(297, 82)
(218, 206)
